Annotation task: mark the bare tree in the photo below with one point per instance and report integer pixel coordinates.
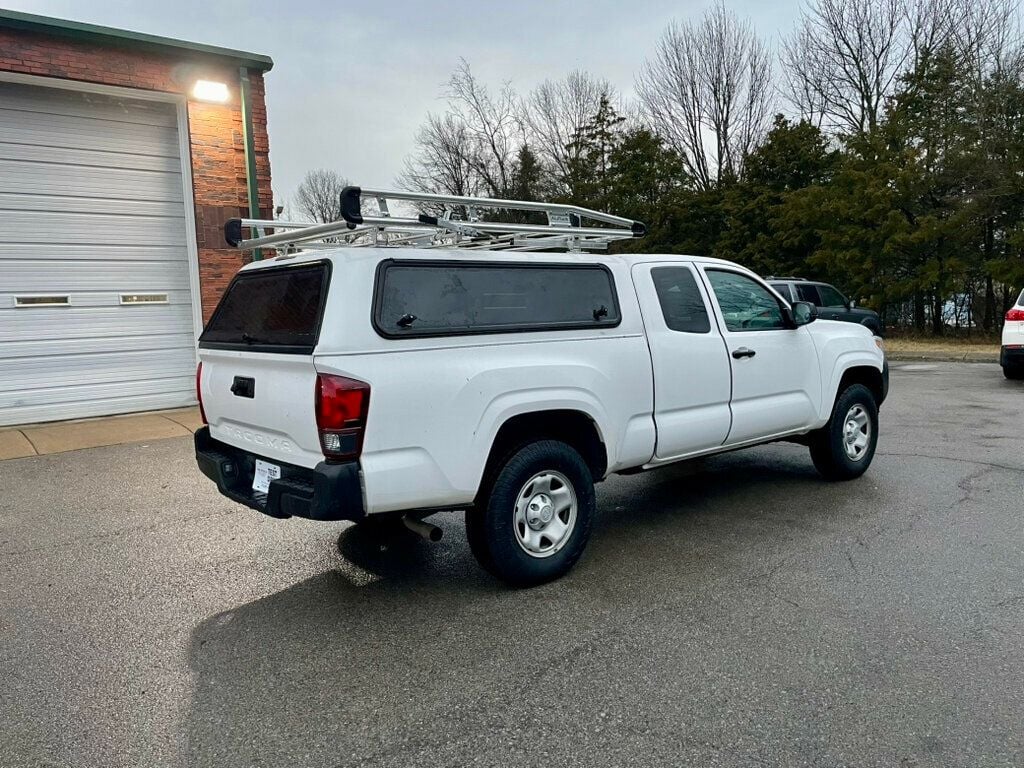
(319, 195)
(554, 115)
(930, 26)
(707, 91)
(843, 60)
(441, 161)
(471, 149)
(806, 77)
(491, 125)
(987, 35)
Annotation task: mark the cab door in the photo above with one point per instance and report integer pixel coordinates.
(776, 380)
(692, 377)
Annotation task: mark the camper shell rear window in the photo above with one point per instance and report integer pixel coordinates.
(457, 298)
(276, 309)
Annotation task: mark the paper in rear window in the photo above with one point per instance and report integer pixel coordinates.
(274, 309)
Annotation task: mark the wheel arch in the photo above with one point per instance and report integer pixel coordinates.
(867, 375)
(572, 426)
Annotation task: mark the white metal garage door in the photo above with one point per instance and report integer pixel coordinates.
(96, 312)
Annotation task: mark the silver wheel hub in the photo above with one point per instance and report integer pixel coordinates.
(539, 511)
(545, 514)
(856, 432)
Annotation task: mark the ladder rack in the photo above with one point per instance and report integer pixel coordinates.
(456, 223)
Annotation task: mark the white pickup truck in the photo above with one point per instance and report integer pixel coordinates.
(365, 384)
(468, 367)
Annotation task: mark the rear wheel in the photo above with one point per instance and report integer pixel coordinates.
(844, 447)
(534, 519)
(1013, 372)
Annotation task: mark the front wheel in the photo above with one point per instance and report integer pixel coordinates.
(534, 520)
(844, 447)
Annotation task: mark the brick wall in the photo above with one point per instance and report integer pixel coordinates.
(215, 130)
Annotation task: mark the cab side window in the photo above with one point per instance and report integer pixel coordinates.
(746, 304)
(830, 297)
(681, 302)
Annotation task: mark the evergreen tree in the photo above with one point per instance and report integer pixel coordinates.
(590, 172)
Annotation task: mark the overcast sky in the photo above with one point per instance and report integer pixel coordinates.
(352, 81)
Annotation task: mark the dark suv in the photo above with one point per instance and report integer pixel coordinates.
(831, 304)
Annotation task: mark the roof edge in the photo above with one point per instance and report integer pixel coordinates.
(124, 38)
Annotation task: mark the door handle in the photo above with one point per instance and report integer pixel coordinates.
(743, 352)
(243, 386)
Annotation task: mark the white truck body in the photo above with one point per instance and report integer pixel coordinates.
(655, 395)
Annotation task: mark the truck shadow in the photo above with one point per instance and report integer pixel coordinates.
(347, 669)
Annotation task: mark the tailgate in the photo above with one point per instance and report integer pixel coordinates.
(257, 380)
(262, 403)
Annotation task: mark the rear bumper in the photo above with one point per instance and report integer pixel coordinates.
(1011, 357)
(328, 492)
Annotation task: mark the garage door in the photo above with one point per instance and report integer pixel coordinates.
(95, 299)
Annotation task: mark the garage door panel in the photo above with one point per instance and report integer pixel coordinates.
(97, 405)
(92, 209)
(49, 102)
(50, 156)
(48, 227)
(58, 396)
(12, 201)
(179, 300)
(91, 251)
(23, 276)
(25, 128)
(86, 181)
(170, 343)
(38, 323)
(27, 375)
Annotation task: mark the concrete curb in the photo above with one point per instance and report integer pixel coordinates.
(933, 357)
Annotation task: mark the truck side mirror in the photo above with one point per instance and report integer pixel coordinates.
(802, 313)
(851, 303)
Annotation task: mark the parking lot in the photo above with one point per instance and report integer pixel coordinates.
(738, 611)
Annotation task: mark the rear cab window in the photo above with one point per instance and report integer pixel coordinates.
(682, 305)
(275, 309)
(454, 298)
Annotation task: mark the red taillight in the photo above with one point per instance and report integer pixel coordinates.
(199, 391)
(1015, 314)
(341, 407)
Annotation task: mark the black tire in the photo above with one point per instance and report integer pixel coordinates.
(491, 524)
(1013, 372)
(828, 444)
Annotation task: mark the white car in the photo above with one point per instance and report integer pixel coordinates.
(370, 384)
(1011, 352)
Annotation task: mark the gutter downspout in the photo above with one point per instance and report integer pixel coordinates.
(251, 181)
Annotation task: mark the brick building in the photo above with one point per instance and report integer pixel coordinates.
(121, 156)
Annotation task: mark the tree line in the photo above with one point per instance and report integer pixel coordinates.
(879, 146)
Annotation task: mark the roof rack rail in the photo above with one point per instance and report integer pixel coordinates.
(457, 223)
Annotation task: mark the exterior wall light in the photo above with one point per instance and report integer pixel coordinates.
(208, 90)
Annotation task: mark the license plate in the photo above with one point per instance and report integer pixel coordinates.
(265, 472)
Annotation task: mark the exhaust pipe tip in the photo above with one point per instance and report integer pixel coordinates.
(423, 529)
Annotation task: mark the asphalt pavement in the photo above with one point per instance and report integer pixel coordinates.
(734, 612)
